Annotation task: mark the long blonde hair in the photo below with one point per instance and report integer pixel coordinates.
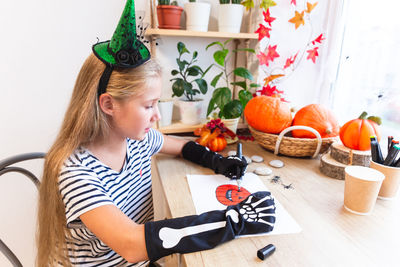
(83, 122)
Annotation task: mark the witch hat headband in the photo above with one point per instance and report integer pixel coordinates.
(124, 50)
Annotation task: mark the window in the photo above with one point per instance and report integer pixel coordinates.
(369, 70)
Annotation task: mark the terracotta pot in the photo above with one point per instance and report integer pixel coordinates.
(169, 17)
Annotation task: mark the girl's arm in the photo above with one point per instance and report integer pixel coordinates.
(173, 145)
(117, 231)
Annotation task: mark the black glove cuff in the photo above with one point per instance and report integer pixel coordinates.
(199, 154)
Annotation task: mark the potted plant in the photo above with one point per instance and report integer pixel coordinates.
(189, 83)
(222, 103)
(197, 16)
(169, 15)
(230, 14)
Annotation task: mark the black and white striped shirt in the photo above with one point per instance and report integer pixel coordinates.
(86, 183)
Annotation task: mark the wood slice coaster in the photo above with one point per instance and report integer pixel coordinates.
(349, 156)
(331, 167)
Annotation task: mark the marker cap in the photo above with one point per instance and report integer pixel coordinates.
(266, 251)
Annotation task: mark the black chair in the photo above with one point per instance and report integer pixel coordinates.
(6, 166)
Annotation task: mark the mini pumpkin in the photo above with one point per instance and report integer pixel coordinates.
(268, 114)
(318, 117)
(355, 134)
(217, 144)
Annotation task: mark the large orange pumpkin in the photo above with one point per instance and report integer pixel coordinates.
(268, 114)
(318, 117)
(355, 134)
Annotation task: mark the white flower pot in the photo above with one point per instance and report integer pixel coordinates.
(197, 16)
(165, 107)
(191, 111)
(231, 124)
(230, 17)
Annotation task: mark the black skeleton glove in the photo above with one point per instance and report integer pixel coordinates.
(232, 166)
(254, 215)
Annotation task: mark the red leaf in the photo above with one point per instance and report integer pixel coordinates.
(312, 54)
(267, 18)
(270, 56)
(318, 39)
(293, 2)
(262, 32)
(290, 61)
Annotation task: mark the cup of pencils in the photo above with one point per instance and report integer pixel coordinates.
(389, 166)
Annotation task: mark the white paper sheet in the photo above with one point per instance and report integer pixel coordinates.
(203, 187)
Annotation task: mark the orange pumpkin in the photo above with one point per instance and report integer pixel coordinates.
(229, 194)
(318, 117)
(355, 134)
(217, 144)
(268, 114)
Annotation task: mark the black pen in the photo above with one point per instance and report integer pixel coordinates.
(392, 154)
(390, 138)
(376, 152)
(239, 154)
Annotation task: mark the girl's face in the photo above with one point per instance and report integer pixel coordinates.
(135, 116)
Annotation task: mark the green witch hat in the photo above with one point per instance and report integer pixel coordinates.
(124, 50)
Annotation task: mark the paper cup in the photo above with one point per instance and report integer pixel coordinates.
(361, 189)
(390, 186)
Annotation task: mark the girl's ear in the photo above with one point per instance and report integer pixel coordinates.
(106, 104)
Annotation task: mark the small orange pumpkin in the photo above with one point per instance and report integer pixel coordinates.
(268, 114)
(318, 117)
(217, 144)
(355, 134)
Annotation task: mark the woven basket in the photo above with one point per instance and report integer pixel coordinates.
(290, 146)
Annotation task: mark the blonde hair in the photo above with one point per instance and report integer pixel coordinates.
(83, 122)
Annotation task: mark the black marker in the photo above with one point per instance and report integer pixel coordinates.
(376, 152)
(239, 154)
(390, 138)
(392, 154)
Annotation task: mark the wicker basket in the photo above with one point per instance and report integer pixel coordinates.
(290, 146)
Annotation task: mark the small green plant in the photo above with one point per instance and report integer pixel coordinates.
(163, 2)
(192, 1)
(189, 74)
(222, 96)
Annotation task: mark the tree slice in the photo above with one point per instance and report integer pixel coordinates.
(349, 156)
(331, 167)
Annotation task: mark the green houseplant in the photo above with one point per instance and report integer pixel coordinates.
(169, 14)
(222, 99)
(197, 15)
(188, 82)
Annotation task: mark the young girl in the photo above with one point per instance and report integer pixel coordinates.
(95, 202)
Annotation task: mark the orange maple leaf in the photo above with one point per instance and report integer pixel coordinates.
(312, 54)
(267, 17)
(263, 32)
(310, 7)
(272, 77)
(298, 19)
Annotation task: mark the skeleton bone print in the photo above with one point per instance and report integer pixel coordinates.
(253, 215)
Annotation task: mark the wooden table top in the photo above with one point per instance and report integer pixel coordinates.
(330, 236)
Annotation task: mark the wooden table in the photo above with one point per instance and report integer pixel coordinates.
(330, 236)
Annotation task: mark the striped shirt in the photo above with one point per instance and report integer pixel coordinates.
(86, 183)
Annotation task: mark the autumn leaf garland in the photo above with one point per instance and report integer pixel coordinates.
(267, 57)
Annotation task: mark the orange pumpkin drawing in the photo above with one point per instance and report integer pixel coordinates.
(229, 194)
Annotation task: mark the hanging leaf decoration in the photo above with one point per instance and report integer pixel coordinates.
(248, 4)
(267, 17)
(272, 77)
(298, 19)
(267, 4)
(290, 61)
(293, 2)
(318, 39)
(262, 32)
(312, 54)
(310, 7)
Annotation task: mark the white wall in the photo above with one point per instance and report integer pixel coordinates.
(43, 44)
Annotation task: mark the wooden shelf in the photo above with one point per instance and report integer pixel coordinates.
(209, 34)
(178, 127)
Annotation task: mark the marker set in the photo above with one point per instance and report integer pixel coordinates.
(393, 151)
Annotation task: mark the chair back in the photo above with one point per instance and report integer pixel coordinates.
(8, 165)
